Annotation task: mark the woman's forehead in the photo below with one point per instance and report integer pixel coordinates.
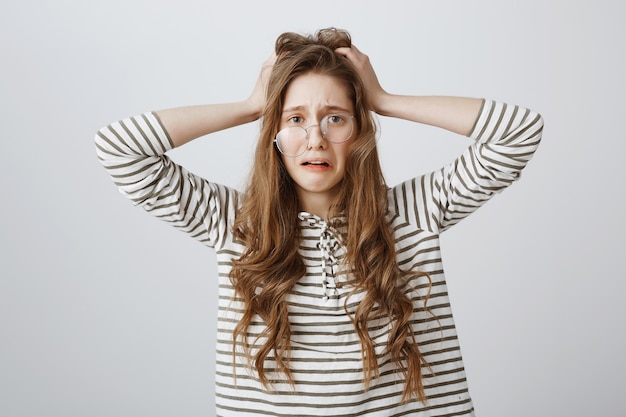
(313, 91)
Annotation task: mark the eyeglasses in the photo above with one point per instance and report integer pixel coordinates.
(293, 141)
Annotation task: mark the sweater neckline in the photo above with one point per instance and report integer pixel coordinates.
(314, 219)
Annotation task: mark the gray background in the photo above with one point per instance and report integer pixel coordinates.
(106, 311)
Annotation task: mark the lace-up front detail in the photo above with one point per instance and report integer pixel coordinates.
(329, 252)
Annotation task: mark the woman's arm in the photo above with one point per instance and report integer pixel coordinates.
(505, 138)
(184, 124)
(456, 114)
(133, 151)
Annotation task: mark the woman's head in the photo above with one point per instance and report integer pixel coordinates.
(300, 57)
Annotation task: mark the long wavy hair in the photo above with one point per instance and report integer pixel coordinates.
(267, 225)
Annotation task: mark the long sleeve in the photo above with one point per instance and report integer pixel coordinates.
(133, 152)
(505, 138)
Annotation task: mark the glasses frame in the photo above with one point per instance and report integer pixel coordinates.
(306, 131)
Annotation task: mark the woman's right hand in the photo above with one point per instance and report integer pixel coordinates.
(259, 93)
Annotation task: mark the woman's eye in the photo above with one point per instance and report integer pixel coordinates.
(295, 120)
(335, 118)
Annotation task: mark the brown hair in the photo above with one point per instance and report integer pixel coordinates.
(266, 223)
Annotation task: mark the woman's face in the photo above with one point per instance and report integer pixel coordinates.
(318, 171)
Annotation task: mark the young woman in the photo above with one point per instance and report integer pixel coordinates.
(332, 295)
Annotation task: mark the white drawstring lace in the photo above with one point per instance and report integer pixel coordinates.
(328, 263)
(327, 246)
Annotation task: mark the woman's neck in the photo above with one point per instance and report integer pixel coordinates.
(316, 204)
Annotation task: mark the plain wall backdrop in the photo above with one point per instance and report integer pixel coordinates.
(105, 311)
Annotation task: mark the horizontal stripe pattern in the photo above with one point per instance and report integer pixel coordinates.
(326, 356)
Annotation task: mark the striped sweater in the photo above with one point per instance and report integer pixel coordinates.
(326, 356)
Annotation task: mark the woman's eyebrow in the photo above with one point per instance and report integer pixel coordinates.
(325, 108)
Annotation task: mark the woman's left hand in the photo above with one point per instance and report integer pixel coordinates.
(361, 62)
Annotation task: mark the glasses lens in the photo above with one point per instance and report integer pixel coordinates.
(291, 141)
(337, 127)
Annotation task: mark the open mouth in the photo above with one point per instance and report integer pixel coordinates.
(316, 163)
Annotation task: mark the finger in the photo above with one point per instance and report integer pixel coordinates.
(355, 49)
(351, 53)
(343, 51)
(271, 60)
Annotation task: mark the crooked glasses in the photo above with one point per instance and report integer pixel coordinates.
(293, 141)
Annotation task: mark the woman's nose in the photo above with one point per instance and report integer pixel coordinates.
(316, 139)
